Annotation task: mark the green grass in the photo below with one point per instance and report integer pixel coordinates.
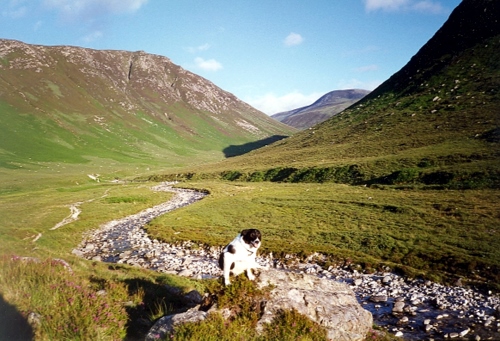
(401, 179)
(434, 233)
(88, 301)
(68, 303)
(244, 300)
(445, 122)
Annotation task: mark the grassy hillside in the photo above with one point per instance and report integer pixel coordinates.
(72, 104)
(438, 234)
(435, 122)
(424, 147)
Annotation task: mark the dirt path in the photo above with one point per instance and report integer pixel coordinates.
(74, 212)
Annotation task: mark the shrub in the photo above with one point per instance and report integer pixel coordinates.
(70, 307)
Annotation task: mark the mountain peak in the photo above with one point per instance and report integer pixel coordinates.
(322, 109)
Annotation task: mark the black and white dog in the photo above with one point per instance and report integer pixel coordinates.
(239, 255)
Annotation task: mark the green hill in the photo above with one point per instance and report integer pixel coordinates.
(74, 105)
(436, 122)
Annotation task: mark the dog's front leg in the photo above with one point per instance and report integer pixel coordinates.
(228, 261)
(250, 274)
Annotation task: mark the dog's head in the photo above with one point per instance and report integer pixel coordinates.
(252, 237)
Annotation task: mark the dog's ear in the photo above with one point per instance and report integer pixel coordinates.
(244, 232)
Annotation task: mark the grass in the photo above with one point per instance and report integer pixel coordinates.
(406, 178)
(74, 303)
(441, 122)
(244, 302)
(433, 233)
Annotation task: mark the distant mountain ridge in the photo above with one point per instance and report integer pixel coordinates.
(325, 107)
(72, 104)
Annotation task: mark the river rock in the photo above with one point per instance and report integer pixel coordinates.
(398, 307)
(331, 304)
(378, 298)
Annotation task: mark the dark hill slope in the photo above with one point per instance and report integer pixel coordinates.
(325, 107)
(70, 104)
(435, 122)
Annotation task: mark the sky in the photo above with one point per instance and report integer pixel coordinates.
(276, 55)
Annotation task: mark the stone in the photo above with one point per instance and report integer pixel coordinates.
(165, 325)
(78, 252)
(464, 332)
(398, 307)
(185, 273)
(378, 298)
(193, 297)
(331, 304)
(34, 319)
(387, 279)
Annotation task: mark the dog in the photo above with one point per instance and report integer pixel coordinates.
(239, 255)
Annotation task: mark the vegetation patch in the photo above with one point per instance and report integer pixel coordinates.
(61, 305)
(117, 200)
(245, 303)
(433, 233)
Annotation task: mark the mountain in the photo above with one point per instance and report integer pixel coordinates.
(71, 104)
(327, 106)
(435, 122)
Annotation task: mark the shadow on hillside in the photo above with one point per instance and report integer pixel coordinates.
(13, 325)
(156, 297)
(247, 147)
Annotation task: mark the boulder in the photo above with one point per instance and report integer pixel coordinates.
(165, 325)
(331, 304)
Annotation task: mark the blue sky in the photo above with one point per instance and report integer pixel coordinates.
(273, 54)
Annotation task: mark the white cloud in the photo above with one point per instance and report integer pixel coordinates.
(84, 8)
(386, 5)
(37, 25)
(203, 47)
(354, 83)
(423, 6)
(208, 65)
(367, 68)
(273, 104)
(92, 36)
(429, 7)
(293, 39)
(14, 9)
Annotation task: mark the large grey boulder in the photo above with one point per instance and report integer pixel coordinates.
(165, 325)
(331, 304)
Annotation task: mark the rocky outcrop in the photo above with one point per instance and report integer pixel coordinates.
(331, 304)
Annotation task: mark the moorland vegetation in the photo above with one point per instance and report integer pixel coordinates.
(406, 178)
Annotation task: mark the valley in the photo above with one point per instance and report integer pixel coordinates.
(403, 183)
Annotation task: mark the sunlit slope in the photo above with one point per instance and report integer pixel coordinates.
(70, 104)
(436, 120)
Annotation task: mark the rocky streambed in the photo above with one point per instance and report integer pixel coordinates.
(413, 309)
